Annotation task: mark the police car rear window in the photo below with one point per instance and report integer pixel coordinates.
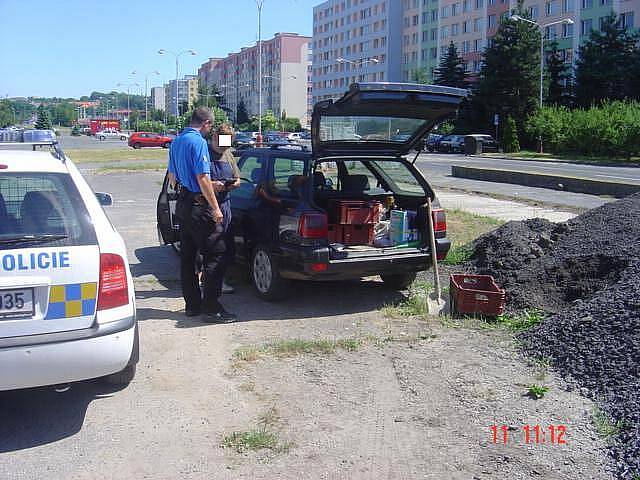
(38, 208)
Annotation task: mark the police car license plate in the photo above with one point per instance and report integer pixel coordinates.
(16, 303)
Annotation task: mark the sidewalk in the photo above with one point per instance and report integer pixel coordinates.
(501, 209)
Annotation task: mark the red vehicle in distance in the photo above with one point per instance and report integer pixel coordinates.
(149, 139)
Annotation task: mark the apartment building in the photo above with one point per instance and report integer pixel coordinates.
(355, 41)
(286, 61)
(428, 27)
(187, 92)
(158, 98)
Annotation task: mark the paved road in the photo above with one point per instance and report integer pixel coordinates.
(84, 142)
(437, 169)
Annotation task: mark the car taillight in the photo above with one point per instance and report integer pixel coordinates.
(313, 225)
(113, 290)
(439, 220)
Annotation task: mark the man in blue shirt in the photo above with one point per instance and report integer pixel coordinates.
(201, 220)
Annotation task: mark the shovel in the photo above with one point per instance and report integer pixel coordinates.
(435, 303)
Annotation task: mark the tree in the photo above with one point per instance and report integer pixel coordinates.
(558, 78)
(420, 75)
(242, 116)
(450, 72)
(510, 141)
(291, 124)
(43, 122)
(6, 113)
(605, 62)
(510, 75)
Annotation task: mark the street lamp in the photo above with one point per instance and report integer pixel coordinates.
(565, 21)
(259, 4)
(162, 51)
(358, 63)
(146, 87)
(128, 85)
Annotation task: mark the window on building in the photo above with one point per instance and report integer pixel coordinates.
(534, 11)
(425, 36)
(568, 55)
(567, 6)
(466, 5)
(415, 20)
(550, 32)
(444, 32)
(433, 52)
(445, 11)
(455, 9)
(567, 30)
(434, 15)
(455, 29)
(478, 25)
(466, 26)
(586, 26)
(425, 17)
(491, 21)
(479, 4)
(551, 8)
(626, 20)
(434, 34)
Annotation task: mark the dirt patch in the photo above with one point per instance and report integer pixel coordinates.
(416, 409)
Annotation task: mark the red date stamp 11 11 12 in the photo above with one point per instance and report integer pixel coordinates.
(529, 434)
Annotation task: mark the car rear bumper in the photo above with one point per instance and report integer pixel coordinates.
(305, 264)
(62, 361)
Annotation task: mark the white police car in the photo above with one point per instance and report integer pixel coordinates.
(67, 309)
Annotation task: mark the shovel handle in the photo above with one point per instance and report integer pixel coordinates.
(434, 256)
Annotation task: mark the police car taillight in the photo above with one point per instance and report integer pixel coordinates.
(113, 291)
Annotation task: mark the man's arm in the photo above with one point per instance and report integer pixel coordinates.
(204, 180)
(172, 180)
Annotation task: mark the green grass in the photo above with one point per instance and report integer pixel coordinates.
(415, 304)
(604, 426)
(462, 228)
(523, 320)
(80, 156)
(531, 155)
(251, 440)
(537, 391)
(134, 167)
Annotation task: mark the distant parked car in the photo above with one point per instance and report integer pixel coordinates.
(295, 136)
(149, 139)
(109, 133)
(488, 142)
(243, 140)
(451, 144)
(432, 142)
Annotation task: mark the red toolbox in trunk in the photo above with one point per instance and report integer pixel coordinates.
(477, 294)
(354, 212)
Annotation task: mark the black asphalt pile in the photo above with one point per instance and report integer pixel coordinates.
(595, 344)
(547, 266)
(585, 273)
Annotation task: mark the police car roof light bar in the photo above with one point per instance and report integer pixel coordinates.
(41, 138)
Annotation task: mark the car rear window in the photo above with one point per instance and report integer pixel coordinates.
(44, 209)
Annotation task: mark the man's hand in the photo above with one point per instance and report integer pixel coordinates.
(218, 186)
(217, 215)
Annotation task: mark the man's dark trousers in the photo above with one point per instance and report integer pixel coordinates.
(199, 233)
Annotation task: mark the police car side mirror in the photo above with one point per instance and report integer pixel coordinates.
(105, 199)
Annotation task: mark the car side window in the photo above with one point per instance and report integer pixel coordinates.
(250, 174)
(288, 176)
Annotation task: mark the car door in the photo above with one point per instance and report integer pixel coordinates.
(167, 224)
(244, 201)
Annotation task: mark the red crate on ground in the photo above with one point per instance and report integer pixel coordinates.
(477, 294)
(357, 234)
(354, 212)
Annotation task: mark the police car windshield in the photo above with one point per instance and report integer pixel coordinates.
(44, 209)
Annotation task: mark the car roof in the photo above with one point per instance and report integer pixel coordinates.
(30, 161)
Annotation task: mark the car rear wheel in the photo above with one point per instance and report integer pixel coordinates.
(400, 281)
(136, 145)
(123, 138)
(166, 145)
(100, 138)
(264, 275)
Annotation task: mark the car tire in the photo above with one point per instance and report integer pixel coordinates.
(101, 138)
(399, 281)
(123, 138)
(265, 277)
(136, 146)
(166, 145)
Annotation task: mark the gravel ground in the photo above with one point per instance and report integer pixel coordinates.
(586, 274)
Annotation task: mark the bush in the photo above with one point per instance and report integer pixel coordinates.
(510, 141)
(611, 130)
(151, 126)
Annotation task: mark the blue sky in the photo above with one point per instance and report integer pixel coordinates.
(69, 48)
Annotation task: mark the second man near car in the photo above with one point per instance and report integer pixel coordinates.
(202, 221)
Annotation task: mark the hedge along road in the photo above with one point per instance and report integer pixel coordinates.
(397, 398)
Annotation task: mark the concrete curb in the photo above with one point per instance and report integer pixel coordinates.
(554, 182)
(499, 156)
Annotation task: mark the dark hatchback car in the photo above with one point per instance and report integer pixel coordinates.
(353, 207)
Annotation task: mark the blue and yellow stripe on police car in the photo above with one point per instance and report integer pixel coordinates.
(72, 300)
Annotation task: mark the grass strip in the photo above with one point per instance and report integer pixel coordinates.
(80, 156)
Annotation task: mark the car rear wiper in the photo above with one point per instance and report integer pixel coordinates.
(31, 239)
